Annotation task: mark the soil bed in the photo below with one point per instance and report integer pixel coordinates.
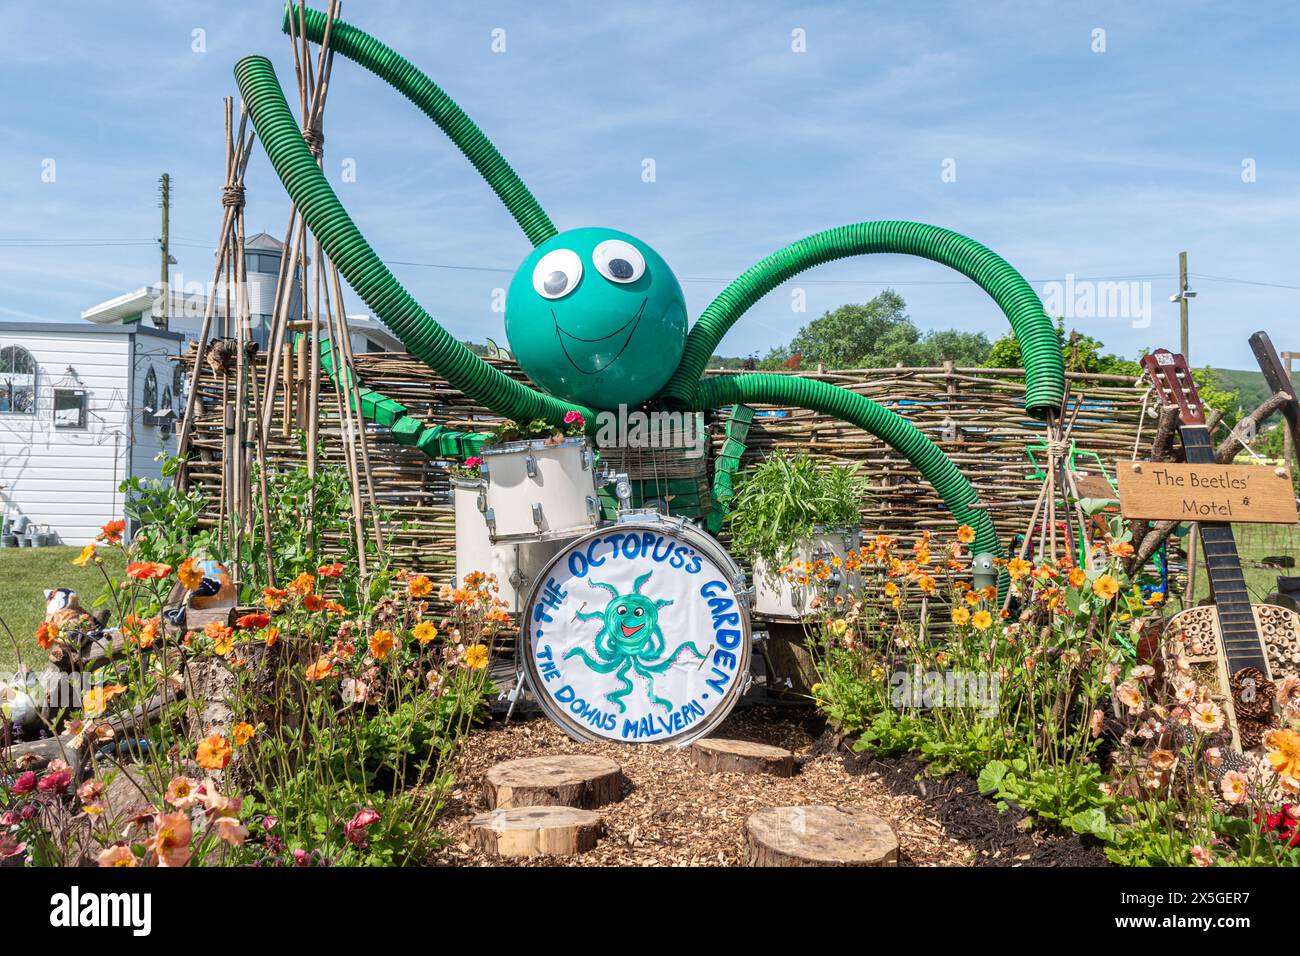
(673, 814)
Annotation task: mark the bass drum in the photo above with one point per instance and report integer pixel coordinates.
(638, 633)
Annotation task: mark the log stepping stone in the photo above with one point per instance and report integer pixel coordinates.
(717, 755)
(819, 836)
(536, 831)
(562, 780)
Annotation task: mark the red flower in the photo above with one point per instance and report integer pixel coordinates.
(25, 783)
(55, 781)
(330, 570)
(254, 620)
(573, 417)
(45, 635)
(111, 533)
(148, 570)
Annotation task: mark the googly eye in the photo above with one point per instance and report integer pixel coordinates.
(618, 261)
(639, 612)
(557, 273)
(622, 610)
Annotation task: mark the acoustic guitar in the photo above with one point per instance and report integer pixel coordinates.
(1236, 648)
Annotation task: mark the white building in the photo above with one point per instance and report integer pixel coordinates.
(189, 298)
(82, 408)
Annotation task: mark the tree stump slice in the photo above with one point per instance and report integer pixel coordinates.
(819, 836)
(717, 755)
(562, 780)
(536, 831)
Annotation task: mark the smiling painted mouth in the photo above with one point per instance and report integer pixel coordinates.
(629, 631)
(630, 327)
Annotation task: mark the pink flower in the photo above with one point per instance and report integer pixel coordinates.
(1234, 787)
(473, 461)
(1202, 856)
(355, 829)
(573, 417)
(25, 783)
(10, 847)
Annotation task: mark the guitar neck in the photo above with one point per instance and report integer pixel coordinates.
(1241, 642)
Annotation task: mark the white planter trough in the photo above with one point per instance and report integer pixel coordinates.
(539, 490)
(776, 596)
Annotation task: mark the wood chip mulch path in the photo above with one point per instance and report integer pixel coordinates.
(673, 814)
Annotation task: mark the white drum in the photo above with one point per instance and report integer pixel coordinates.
(638, 633)
(515, 564)
(539, 489)
(776, 596)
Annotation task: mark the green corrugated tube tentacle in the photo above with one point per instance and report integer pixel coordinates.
(399, 73)
(422, 336)
(1039, 345)
(894, 430)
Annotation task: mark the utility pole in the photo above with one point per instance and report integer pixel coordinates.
(166, 257)
(1288, 442)
(1181, 297)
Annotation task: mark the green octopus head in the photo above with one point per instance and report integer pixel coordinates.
(595, 316)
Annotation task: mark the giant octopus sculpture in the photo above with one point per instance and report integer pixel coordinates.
(596, 317)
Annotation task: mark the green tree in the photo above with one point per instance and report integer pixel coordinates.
(876, 334)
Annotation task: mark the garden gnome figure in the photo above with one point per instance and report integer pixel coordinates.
(984, 570)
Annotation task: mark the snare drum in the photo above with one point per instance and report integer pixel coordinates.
(514, 564)
(638, 633)
(539, 489)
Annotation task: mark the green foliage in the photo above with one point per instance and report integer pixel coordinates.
(788, 496)
(165, 516)
(878, 334)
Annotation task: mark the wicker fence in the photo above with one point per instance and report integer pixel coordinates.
(975, 415)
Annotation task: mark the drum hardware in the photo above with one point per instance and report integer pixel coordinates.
(530, 465)
(490, 517)
(537, 515)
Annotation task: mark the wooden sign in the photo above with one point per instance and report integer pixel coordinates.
(1188, 492)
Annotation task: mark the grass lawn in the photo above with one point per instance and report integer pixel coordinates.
(1254, 542)
(25, 573)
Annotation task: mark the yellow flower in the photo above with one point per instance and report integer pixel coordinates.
(87, 555)
(1105, 587)
(972, 598)
(419, 586)
(982, 620)
(965, 534)
(95, 701)
(839, 626)
(960, 616)
(476, 657)
(891, 589)
(424, 632)
(243, 733)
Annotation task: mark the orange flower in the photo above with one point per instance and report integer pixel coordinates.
(330, 570)
(190, 574)
(214, 753)
(171, 839)
(323, 668)
(1078, 577)
(242, 732)
(255, 620)
(1284, 752)
(1105, 587)
(381, 644)
(960, 616)
(45, 635)
(965, 534)
(424, 632)
(303, 584)
(419, 586)
(334, 607)
(111, 533)
(271, 634)
(314, 602)
(273, 598)
(1121, 549)
(148, 570)
(1018, 568)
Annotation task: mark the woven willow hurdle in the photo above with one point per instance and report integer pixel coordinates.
(975, 415)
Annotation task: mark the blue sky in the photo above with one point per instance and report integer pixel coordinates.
(1068, 161)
